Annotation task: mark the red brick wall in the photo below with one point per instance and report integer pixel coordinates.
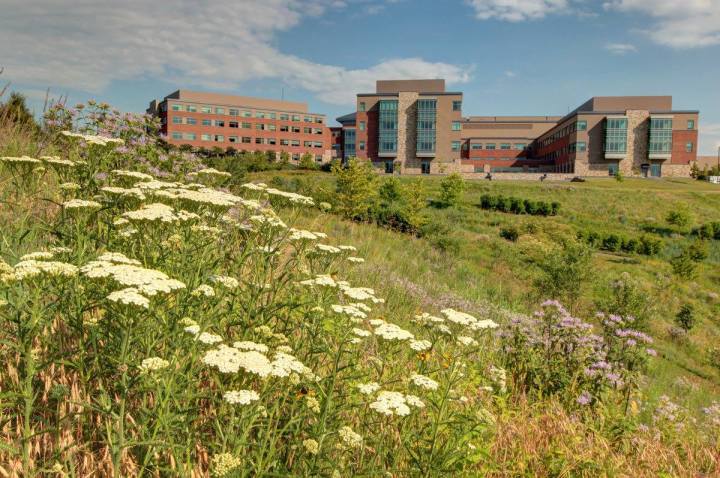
(679, 139)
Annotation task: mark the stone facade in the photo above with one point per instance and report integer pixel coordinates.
(637, 142)
(406, 133)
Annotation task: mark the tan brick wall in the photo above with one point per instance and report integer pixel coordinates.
(407, 125)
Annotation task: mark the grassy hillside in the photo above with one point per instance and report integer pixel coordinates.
(489, 269)
(159, 317)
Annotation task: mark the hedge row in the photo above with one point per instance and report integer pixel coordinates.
(516, 205)
(711, 230)
(645, 245)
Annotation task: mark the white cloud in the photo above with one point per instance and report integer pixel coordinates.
(709, 138)
(88, 43)
(517, 10)
(679, 23)
(510, 74)
(620, 48)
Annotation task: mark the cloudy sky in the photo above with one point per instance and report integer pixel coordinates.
(507, 56)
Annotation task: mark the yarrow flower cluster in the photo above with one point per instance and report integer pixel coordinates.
(241, 397)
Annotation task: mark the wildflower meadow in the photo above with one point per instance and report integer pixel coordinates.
(160, 320)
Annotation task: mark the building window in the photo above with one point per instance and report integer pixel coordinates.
(219, 138)
(581, 125)
(220, 123)
(387, 126)
(177, 135)
(247, 114)
(271, 115)
(219, 111)
(206, 122)
(426, 126)
(362, 126)
(190, 121)
(616, 135)
(284, 117)
(581, 146)
(689, 147)
(296, 117)
(490, 146)
(504, 145)
(206, 109)
(660, 135)
(389, 167)
(691, 124)
(362, 145)
(349, 143)
(191, 108)
(308, 119)
(246, 139)
(319, 120)
(456, 126)
(258, 140)
(296, 156)
(271, 141)
(476, 146)
(233, 124)
(190, 136)
(176, 107)
(455, 145)
(232, 139)
(245, 125)
(361, 107)
(457, 105)
(272, 127)
(234, 112)
(519, 146)
(425, 167)
(177, 120)
(205, 137)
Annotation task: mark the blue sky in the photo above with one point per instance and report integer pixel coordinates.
(507, 56)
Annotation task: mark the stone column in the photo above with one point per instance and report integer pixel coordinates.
(637, 141)
(407, 129)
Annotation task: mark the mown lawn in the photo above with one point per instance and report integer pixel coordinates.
(488, 270)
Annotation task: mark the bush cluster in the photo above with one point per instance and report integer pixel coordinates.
(517, 205)
(710, 230)
(645, 245)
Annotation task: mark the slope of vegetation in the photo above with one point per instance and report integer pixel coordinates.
(161, 317)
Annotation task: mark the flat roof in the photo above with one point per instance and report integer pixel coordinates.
(227, 100)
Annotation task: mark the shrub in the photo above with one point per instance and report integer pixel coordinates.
(440, 235)
(307, 162)
(354, 189)
(685, 318)
(678, 218)
(390, 190)
(510, 233)
(630, 246)
(564, 272)
(544, 208)
(517, 205)
(504, 204)
(625, 297)
(451, 189)
(649, 246)
(686, 263)
(611, 243)
(530, 207)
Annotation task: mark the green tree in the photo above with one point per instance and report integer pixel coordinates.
(685, 318)
(451, 188)
(354, 188)
(564, 273)
(679, 217)
(306, 162)
(15, 111)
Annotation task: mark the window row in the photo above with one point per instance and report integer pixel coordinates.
(491, 146)
(219, 138)
(246, 125)
(246, 113)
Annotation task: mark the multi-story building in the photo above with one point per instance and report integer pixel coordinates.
(209, 120)
(504, 143)
(634, 135)
(406, 126)
(415, 126)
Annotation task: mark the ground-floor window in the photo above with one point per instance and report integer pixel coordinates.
(613, 169)
(389, 167)
(425, 167)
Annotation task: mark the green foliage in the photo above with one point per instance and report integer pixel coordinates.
(625, 297)
(685, 318)
(619, 177)
(710, 230)
(510, 233)
(517, 205)
(611, 242)
(451, 189)
(307, 162)
(564, 272)
(686, 263)
(355, 189)
(678, 217)
(15, 111)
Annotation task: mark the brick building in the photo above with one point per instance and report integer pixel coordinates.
(406, 126)
(415, 126)
(208, 120)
